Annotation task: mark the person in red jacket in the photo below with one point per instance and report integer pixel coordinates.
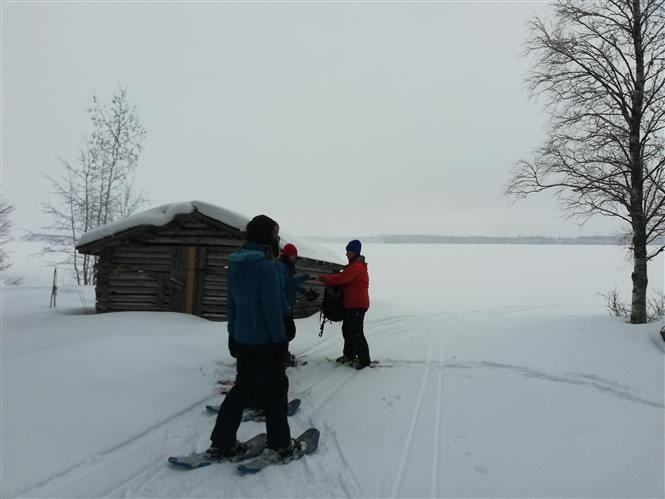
(355, 282)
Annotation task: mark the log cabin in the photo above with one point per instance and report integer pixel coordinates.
(174, 258)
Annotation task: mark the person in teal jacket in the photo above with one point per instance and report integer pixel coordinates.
(252, 301)
(258, 342)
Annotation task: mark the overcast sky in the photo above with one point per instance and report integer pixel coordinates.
(353, 118)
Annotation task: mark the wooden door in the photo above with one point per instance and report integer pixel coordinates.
(184, 280)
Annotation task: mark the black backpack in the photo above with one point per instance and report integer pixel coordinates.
(332, 306)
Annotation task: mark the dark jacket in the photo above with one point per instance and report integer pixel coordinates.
(254, 298)
(292, 285)
(355, 281)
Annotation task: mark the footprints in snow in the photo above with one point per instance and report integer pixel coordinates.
(390, 400)
(476, 464)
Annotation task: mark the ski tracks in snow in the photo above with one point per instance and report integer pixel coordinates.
(106, 473)
(431, 383)
(329, 468)
(438, 423)
(412, 426)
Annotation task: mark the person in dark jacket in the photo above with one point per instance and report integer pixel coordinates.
(293, 284)
(257, 340)
(354, 280)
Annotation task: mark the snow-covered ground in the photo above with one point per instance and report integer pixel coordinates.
(505, 378)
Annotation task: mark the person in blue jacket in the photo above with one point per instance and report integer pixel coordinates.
(257, 340)
(293, 284)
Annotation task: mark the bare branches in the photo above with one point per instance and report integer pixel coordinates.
(6, 211)
(587, 68)
(614, 305)
(98, 188)
(115, 146)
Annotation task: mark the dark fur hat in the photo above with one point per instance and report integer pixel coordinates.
(261, 230)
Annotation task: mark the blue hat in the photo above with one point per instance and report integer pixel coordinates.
(355, 246)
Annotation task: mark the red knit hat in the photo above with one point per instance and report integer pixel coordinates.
(289, 250)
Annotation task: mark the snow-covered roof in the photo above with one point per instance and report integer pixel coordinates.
(162, 215)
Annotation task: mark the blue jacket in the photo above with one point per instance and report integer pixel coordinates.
(292, 284)
(254, 298)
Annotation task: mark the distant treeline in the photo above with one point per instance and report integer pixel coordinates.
(433, 239)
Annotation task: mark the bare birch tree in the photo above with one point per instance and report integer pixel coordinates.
(600, 66)
(98, 188)
(5, 228)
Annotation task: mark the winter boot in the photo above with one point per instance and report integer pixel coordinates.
(292, 451)
(285, 454)
(232, 453)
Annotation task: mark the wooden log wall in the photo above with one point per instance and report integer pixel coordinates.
(131, 278)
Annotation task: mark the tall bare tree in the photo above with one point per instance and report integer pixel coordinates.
(98, 188)
(600, 66)
(5, 227)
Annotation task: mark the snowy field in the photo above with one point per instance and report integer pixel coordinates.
(505, 378)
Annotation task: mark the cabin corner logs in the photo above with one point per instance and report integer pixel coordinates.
(178, 267)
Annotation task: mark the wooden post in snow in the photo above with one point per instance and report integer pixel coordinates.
(54, 288)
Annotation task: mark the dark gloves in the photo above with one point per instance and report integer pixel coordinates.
(311, 295)
(301, 280)
(232, 347)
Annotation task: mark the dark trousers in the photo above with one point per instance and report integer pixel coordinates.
(289, 327)
(261, 374)
(355, 343)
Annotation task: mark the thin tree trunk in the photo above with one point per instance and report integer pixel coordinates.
(72, 225)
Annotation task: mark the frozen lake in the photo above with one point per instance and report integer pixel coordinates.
(450, 277)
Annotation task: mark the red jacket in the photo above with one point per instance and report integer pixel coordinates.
(355, 281)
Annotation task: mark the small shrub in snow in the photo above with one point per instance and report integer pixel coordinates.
(616, 308)
(656, 306)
